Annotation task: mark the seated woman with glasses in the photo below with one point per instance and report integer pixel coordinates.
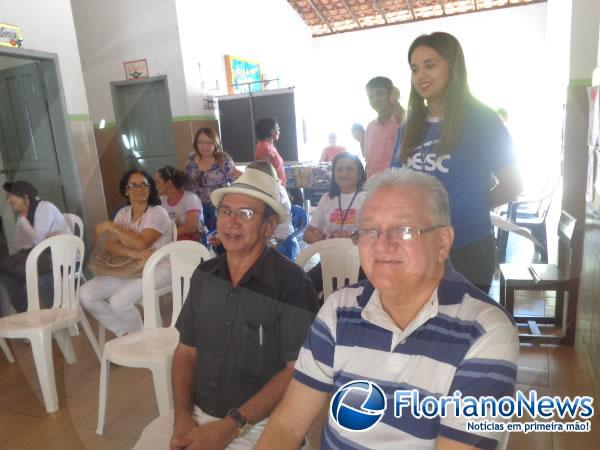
(337, 212)
(184, 207)
(137, 230)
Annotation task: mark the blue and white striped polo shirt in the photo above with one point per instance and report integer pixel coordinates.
(460, 340)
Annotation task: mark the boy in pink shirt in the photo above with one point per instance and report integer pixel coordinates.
(380, 136)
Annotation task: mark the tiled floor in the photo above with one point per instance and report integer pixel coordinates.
(24, 423)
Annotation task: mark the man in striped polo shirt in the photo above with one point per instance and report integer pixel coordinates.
(415, 323)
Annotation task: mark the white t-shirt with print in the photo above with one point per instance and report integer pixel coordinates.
(189, 202)
(328, 217)
(155, 218)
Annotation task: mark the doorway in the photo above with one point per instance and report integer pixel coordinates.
(144, 123)
(34, 138)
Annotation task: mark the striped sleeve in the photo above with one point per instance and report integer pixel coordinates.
(488, 369)
(314, 366)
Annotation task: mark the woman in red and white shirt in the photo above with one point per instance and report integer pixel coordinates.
(267, 132)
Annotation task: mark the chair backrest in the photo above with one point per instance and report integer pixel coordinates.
(65, 251)
(339, 262)
(75, 224)
(184, 256)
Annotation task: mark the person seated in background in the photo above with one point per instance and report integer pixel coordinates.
(332, 150)
(240, 329)
(267, 133)
(210, 168)
(137, 230)
(285, 228)
(337, 211)
(36, 220)
(184, 207)
(358, 133)
(415, 323)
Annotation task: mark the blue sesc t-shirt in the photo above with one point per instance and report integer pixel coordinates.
(467, 173)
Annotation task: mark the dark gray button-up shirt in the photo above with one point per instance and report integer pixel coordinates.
(245, 334)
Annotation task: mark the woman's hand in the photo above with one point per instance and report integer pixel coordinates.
(312, 235)
(105, 227)
(142, 254)
(340, 234)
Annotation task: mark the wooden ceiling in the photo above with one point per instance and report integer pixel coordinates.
(337, 16)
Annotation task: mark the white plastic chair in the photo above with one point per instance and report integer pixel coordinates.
(339, 262)
(75, 224)
(153, 347)
(6, 350)
(40, 325)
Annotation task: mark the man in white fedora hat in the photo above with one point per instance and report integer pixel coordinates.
(241, 328)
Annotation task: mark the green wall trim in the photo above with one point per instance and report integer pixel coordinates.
(175, 119)
(583, 82)
(190, 118)
(79, 117)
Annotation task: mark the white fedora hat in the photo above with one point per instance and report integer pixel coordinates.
(256, 184)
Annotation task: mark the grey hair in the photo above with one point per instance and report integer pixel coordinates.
(438, 208)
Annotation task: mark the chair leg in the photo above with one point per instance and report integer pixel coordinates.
(161, 376)
(90, 334)
(103, 393)
(63, 340)
(6, 350)
(41, 346)
(101, 336)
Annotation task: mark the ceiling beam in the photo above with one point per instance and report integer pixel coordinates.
(378, 6)
(351, 13)
(321, 16)
(410, 8)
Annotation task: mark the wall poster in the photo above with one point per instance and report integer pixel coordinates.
(243, 76)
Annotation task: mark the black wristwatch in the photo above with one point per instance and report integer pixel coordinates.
(242, 423)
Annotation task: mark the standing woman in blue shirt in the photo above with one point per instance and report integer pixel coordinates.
(462, 142)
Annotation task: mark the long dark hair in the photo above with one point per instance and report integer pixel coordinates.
(334, 188)
(180, 179)
(22, 188)
(153, 197)
(218, 152)
(455, 98)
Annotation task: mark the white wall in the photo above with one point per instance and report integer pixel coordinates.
(111, 32)
(48, 27)
(268, 31)
(506, 58)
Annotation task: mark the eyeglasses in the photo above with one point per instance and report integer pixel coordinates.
(141, 186)
(370, 235)
(245, 214)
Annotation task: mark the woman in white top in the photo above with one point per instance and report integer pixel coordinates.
(184, 207)
(337, 211)
(137, 230)
(36, 220)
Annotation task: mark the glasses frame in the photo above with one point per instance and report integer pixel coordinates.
(239, 213)
(410, 231)
(142, 186)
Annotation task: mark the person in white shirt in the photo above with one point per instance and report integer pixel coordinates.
(36, 220)
(183, 206)
(337, 212)
(137, 230)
